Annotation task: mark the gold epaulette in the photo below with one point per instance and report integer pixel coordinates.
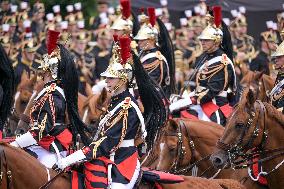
(88, 50)
(103, 53)
(126, 104)
(225, 60)
(15, 64)
(133, 44)
(159, 55)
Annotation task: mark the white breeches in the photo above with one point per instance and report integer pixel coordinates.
(130, 185)
(45, 157)
(201, 114)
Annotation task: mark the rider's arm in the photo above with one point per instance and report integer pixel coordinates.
(216, 83)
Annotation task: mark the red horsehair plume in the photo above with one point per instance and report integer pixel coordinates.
(126, 9)
(115, 38)
(52, 38)
(125, 51)
(152, 16)
(217, 12)
(28, 30)
(142, 10)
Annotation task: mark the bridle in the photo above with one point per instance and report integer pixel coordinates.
(259, 133)
(5, 172)
(181, 152)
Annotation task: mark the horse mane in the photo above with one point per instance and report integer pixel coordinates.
(273, 112)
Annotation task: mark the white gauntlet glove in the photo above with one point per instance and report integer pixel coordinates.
(71, 159)
(182, 103)
(24, 140)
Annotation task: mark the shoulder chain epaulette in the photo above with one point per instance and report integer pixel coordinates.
(225, 60)
(159, 55)
(127, 103)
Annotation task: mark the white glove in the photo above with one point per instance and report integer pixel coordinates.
(71, 159)
(24, 140)
(182, 103)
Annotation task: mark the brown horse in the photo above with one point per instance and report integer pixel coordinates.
(259, 82)
(94, 106)
(24, 92)
(185, 148)
(19, 170)
(254, 125)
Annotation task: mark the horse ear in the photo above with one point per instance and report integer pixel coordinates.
(33, 79)
(244, 70)
(173, 124)
(251, 98)
(89, 91)
(103, 96)
(24, 76)
(258, 75)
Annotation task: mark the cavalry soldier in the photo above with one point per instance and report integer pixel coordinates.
(101, 53)
(277, 93)
(215, 77)
(25, 59)
(262, 61)
(6, 88)
(153, 60)
(49, 138)
(113, 156)
(84, 60)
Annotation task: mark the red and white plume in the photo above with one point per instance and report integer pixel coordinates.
(152, 16)
(217, 12)
(126, 8)
(125, 50)
(52, 38)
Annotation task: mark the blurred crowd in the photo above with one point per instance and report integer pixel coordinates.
(23, 29)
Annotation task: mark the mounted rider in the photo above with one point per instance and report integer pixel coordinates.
(157, 59)
(215, 76)
(112, 157)
(49, 138)
(277, 93)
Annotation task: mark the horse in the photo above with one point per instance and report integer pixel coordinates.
(94, 106)
(255, 128)
(185, 148)
(24, 92)
(259, 82)
(19, 170)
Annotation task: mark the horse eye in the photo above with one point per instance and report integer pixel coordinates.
(239, 125)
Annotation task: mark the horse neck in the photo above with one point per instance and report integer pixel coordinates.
(35, 174)
(274, 141)
(30, 103)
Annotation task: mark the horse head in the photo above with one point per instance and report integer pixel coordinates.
(95, 106)
(241, 131)
(175, 147)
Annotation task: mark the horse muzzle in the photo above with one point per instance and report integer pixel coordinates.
(219, 159)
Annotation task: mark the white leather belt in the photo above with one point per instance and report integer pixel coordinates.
(223, 94)
(127, 143)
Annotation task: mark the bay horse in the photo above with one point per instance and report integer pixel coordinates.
(94, 106)
(258, 81)
(24, 92)
(255, 128)
(19, 170)
(186, 146)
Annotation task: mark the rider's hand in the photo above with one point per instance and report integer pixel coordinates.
(61, 164)
(182, 103)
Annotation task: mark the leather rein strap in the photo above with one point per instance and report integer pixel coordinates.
(4, 167)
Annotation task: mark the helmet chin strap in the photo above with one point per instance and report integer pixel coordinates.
(119, 84)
